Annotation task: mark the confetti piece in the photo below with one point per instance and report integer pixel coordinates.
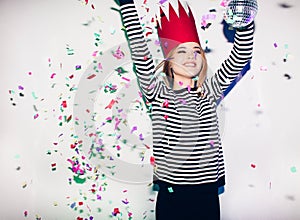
(275, 45)
(52, 75)
(253, 165)
(152, 160)
(118, 54)
(91, 76)
(53, 166)
(166, 117)
(100, 66)
(110, 105)
(125, 201)
(126, 79)
(24, 185)
(70, 51)
(162, 1)
(34, 96)
(170, 189)
(116, 211)
(79, 180)
(180, 83)
(166, 103)
(293, 169)
(25, 213)
(36, 116)
(112, 30)
(141, 137)
(64, 104)
(73, 205)
(78, 67)
(189, 88)
(263, 68)
(287, 76)
(134, 128)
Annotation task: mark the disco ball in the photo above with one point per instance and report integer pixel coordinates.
(239, 13)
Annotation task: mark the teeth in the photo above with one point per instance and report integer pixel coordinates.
(190, 65)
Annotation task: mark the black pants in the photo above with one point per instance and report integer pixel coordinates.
(175, 202)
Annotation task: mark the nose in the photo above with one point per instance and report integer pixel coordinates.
(191, 54)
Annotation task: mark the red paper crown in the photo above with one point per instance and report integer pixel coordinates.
(178, 29)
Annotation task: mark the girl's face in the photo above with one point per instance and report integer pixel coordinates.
(186, 60)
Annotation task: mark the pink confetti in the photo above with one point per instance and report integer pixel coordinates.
(263, 68)
(253, 165)
(166, 103)
(94, 53)
(189, 88)
(118, 121)
(36, 116)
(25, 213)
(52, 75)
(119, 54)
(128, 80)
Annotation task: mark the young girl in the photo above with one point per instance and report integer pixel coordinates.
(189, 165)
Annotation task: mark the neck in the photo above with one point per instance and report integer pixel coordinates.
(182, 82)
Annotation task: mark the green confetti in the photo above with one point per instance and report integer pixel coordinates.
(170, 189)
(34, 96)
(78, 180)
(293, 169)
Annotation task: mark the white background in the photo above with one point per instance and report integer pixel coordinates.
(260, 116)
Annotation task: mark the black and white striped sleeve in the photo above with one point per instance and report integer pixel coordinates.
(140, 53)
(240, 55)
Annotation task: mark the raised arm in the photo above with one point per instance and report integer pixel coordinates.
(140, 53)
(240, 55)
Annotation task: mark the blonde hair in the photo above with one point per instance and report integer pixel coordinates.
(167, 68)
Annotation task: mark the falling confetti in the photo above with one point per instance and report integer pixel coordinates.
(293, 169)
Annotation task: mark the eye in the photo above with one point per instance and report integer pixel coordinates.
(197, 51)
(181, 51)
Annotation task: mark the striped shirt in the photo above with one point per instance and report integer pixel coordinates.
(186, 140)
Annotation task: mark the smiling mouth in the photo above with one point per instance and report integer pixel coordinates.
(190, 64)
